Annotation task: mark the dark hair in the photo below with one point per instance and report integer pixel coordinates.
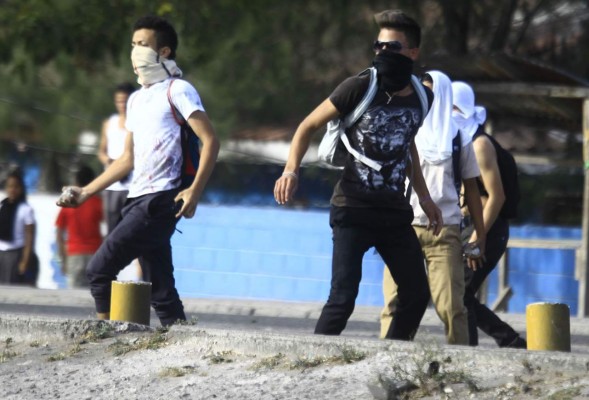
(399, 21)
(17, 174)
(165, 34)
(427, 78)
(125, 87)
(84, 175)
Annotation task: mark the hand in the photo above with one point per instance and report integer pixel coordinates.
(188, 204)
(71, 197)
(285, 187)
(434, 215)
(22, 267)
(474, 255)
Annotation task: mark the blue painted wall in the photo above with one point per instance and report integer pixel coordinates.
(262, 253)
(272, 253)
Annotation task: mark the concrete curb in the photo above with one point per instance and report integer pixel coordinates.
(298, 346)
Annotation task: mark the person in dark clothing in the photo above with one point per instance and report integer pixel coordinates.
(469, 119)
(368, 207)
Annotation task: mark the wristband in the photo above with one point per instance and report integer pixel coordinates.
(290, 174)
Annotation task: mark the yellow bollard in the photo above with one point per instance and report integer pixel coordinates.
(130, 301)
(548, 326)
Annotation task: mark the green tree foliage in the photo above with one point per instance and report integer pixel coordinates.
(259, 62)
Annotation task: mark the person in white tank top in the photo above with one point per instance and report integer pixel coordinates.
(112, 145)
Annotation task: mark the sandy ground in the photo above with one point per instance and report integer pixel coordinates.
(64, 359)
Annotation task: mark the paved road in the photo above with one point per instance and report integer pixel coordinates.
(249, 315)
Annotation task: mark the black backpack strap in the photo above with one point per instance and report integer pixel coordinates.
(456, 150)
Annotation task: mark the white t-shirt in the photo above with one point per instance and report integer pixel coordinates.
(115, 145)
(439, 179)
(24, 216)
(156, 135)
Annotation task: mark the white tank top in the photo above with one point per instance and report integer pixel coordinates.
(115, 145)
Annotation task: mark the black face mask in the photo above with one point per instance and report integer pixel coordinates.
(394, 70)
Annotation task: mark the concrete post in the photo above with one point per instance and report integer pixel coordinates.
(548, 327)
(130, 302)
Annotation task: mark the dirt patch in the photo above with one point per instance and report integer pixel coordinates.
(93, 360)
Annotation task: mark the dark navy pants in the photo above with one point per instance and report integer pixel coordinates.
(355, 231)
(144, 232)
(479, 315)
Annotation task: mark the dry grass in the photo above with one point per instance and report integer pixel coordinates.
(347, 355)
(154, 341)
(7, 354)
(176, 372)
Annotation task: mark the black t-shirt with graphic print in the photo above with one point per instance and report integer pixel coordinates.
(383, 133)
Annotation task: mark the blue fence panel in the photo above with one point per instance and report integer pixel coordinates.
(262, 253)
(273, 253)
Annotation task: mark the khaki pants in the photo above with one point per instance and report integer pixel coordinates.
(443, 256)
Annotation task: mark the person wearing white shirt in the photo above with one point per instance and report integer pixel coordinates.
(153, 151)
(443, 253)
(17, 232)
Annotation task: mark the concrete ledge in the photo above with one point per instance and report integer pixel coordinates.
(303, 345)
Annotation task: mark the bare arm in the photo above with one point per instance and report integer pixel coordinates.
(487, 160)
(102, 156)
(475, 209)
(117, 170)
(59, 238)
(286, 185)
(28, 249)
(201, 125)
(430, 209)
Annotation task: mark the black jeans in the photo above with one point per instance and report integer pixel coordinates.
(144, 232)
(355, 231)
(479, 315)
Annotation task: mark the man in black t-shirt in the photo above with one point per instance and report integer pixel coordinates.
(368, 207)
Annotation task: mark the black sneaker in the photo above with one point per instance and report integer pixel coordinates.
(518, 343)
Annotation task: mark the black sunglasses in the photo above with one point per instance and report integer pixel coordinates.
(391, 46)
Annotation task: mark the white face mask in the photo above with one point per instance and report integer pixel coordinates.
(150, 67)
(459, 119)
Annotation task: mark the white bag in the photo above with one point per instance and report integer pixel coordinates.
(334, 151)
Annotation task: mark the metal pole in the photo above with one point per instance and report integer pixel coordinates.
(583, 306)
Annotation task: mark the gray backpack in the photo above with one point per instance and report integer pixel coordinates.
(335, 145)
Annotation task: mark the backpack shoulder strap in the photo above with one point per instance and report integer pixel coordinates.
(357, 113)
(361, 108)
(456, 152)
(179, 120)
(419, 89)
(479, 132)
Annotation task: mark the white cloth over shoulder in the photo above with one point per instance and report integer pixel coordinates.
(434, 138)
(470, 116)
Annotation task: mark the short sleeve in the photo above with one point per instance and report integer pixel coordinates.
(28, 215)
(61, 221)
(185, 98)
(348, 94)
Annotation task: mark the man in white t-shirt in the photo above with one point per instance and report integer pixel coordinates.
(153, 152)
